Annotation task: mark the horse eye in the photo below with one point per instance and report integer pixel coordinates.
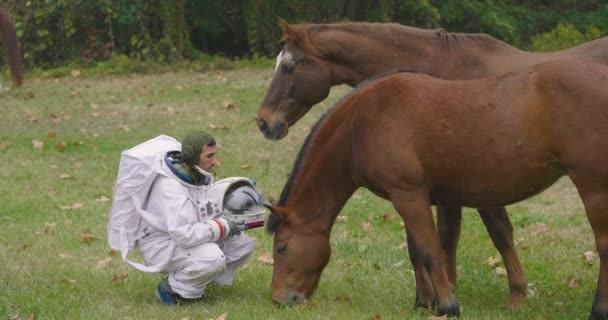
(288, 67)
(282, 249)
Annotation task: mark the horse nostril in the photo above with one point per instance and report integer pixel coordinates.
(263, 125)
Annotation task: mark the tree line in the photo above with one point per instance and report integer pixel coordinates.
(58, 32)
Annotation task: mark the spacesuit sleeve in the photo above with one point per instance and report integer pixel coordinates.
(169, 198)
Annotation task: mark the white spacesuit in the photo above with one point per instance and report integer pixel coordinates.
(179, 227)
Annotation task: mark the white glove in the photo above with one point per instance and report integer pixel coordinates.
(224, 228)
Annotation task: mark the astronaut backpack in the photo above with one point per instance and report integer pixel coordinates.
(138, 168)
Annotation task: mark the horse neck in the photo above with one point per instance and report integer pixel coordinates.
(359, 51)
(323, 182)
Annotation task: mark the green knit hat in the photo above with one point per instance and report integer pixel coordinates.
(192, 145)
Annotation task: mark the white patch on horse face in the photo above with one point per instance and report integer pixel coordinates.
(283, 57)
(279, 57)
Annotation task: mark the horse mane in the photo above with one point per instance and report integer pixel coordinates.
(308, 32)
(8, 35)
(317, 125)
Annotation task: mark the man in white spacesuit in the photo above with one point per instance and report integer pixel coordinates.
(198, 246)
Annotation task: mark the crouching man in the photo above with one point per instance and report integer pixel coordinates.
(166, 205)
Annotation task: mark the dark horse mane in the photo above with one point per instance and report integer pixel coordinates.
(8, 35)
(310, 31)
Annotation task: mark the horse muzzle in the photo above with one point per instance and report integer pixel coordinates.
(277, 131)
(290, 298)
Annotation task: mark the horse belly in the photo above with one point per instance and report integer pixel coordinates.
(504, 186)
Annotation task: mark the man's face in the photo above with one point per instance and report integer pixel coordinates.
(208, 158)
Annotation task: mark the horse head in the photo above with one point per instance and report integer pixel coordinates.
(301, 80)
(300, 254)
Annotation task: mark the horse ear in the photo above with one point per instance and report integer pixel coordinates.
(278, 215)
(288, 32)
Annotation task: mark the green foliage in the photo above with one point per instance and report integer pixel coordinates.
(564, 36)
(55, 33)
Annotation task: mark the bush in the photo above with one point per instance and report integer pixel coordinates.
(564, 36)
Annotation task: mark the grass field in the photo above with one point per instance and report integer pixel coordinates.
(60, 141)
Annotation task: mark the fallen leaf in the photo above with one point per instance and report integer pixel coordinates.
(85, 236)
(589, 257)
(103, 199)
(103, 263)
(246, 166)
(229, 106)
(266, 258)
(343, 300)
(493, 261)
(50, 224)
(572, 283)
(388, 217)
(218, 127)
(501, 271)
(75, 73)
(366, 226)
(376, 317)
(342, 219)
(120, 277)
(37, 144)
(65, 176)
(76, 205)
(67, 280)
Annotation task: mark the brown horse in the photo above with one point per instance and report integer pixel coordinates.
(8, 35)
(417, 141)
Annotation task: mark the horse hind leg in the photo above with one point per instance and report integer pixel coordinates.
(449, 221)
(500, 230)
(593, 190)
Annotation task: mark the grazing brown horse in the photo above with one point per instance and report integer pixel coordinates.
(8, 35)
(316, 57)
(417, 141)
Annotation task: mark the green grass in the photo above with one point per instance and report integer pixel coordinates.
(48, 272)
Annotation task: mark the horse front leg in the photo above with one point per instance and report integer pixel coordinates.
(500, 230)
(415, 209)
(448, 224)
(425, 295)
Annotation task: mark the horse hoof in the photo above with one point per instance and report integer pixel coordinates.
(452, 311)
(429, 305)
(516, 302)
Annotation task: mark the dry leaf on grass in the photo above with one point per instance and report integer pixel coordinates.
(343, 300)
(103, 199)
(76, 205)
(266, 258)
(103, 263)
(493, 261)
(120, 277)
(589, 257)
(342, 219)
(366, 226)
(501, 271)
(37, 144)
(572, 283)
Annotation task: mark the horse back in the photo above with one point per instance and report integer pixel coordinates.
(490, 141)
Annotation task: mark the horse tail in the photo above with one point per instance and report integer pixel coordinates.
(8, 34)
